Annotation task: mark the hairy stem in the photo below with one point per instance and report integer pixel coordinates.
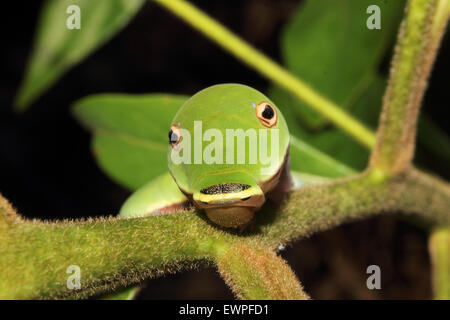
(258, 273)
(316, 208)
(418, 40)
(112, 252)
(268, 68)
(439, 247)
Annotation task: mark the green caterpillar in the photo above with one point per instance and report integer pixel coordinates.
(228, 152)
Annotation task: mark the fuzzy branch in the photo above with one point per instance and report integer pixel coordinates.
(418, 42)
(258, 273)
(317, 208)
(112, 252)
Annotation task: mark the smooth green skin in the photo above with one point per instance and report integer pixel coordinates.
(225, 106)
(221, 107)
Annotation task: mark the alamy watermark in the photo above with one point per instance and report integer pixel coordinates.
(74, 20)
(74, 280)
(236, 142)
(374, 20)
(374, 280)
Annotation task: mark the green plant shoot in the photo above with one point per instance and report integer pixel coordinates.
(228, 151)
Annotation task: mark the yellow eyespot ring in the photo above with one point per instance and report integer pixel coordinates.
(266, 114)
(174, 135)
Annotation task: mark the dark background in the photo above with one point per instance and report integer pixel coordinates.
(47, 170)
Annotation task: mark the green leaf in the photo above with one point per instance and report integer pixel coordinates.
(58, 48)
(307, 159)
(328, 45)
(122, 294)
(130, 133)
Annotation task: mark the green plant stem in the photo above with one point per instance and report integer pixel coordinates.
(418, 41)
(257, 273)
(112, 252)
(316, 208)
(267, 67)
(439, 247)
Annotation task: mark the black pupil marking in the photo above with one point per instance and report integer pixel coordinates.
(225, 188)
(172, 136)
(268, 112)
